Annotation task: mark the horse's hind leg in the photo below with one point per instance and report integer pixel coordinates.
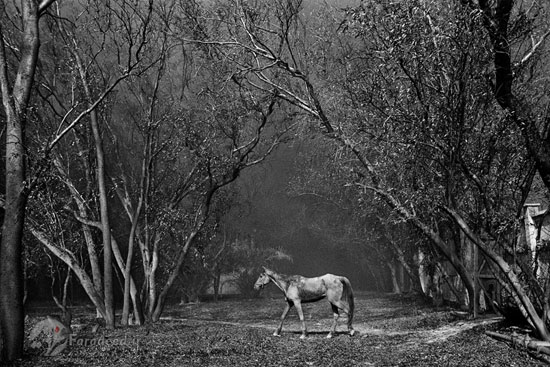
(345, 307)
(350, 327)
(335, 320)
(283, 316)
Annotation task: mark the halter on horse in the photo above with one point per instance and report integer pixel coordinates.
(299, 289)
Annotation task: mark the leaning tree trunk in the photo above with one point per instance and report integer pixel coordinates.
(508, 272)
(202, 216)
(436, 241)
(160, 301)
(68, 258)
(83, 214)
(66, 314)
(138, 311)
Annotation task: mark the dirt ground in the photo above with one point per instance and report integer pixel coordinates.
(392, 331)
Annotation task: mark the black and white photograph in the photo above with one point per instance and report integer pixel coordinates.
(274, 183)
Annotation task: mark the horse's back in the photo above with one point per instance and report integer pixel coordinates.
(313, 289)
(334, 280)
(307, 289)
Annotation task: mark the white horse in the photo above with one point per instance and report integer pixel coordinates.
(299, 289)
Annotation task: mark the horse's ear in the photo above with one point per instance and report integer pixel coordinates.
(266, 269)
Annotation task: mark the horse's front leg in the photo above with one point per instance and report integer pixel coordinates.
(283, 316)
(301, 314)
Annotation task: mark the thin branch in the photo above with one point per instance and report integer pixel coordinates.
(85, 113)
(534, 48)
(44, 5)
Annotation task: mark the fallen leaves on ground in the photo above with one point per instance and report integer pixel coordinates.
(392, 332)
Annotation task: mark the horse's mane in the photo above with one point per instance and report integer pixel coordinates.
(283, 277)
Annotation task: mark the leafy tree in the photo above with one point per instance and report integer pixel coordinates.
(415, 119)
(271, 46)
(517, 34)
(93, 71)
(16, 91)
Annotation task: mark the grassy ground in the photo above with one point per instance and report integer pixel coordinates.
(392, 332)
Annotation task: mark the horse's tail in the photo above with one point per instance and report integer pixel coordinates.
(347, 296)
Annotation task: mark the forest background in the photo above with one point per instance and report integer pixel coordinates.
(150, 147)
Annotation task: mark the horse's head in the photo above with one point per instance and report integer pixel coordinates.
(263, 279)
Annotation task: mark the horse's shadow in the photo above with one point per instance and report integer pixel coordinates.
(324, 333)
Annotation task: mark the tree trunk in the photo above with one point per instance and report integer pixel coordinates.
(159, 304)
(412, 271)
(103, 202)
(134, 296)
(435, 240)
(11, 273)
(83, 213)
(144, 188)
(216, 285)
(523, 340)
(15, 103)
(104, 207)
(378, 283)
(106, 230)
(90, 245)
(496, 17)
(470, 256)
(439, 244)
(66, 314)
(128, 268)
(451, 256)
(444, 274)
(69, 259)
(153, 280)
(517, 286)
(138, 311)
(395, 283)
